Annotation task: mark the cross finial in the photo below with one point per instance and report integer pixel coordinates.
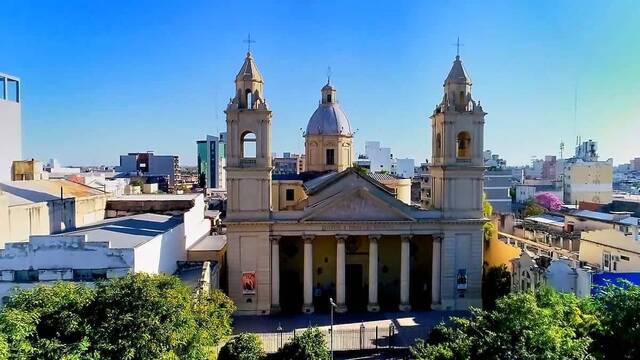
(457, 45)
(328, 75)
(249, 42)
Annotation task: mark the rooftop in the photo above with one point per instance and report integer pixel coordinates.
(37, 191)
(130, 231)
(210, 243)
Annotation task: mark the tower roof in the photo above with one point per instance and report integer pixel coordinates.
(458, 74)
(249, 70)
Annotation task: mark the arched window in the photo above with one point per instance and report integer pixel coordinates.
(328, 98)
(463, 145)
(438, 145)
(248, 145)
(249, 99)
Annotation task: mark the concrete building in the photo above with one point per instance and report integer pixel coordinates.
(11, 123)
(405, 168)
(43, 207)
(149, 243)
(153, 167)
(340, 233)
(289, 164)
(27, 170)
(588, 181)
(497, 185)
(493, 161)
(635, 164)
(380, 157)
(611, 250)
(549, 168)
(211, 162)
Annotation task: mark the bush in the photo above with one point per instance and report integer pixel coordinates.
(242, 347)
(140, 316)
(310, 345)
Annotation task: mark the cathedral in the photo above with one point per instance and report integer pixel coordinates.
(334, 232)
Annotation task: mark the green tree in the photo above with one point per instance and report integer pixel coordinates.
(244, 346)
(311, 345)
(532, 209)
(618, 336)
(542, 325)
(496, 284)
(140, 316)
(489, 228)
(49, 322)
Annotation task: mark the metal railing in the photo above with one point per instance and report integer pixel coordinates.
(362, 338)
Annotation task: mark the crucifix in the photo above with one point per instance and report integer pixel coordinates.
(457, 45)
(249, 42)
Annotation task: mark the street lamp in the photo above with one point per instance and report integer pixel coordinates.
(333, 305)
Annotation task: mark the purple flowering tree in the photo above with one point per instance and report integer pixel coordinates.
(549, 201)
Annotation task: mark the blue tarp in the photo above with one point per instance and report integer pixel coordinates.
(602, 279)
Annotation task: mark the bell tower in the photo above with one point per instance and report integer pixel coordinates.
(457, 165)
(248, 147)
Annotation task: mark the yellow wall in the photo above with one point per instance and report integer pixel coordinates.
(279, 194)
(586, 182)
(402, 188)
(594, 244)
(315, 152)
(497, 253)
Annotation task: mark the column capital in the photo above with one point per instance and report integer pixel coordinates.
(437, 237)
(275, 238)
(341, 237)
(308, 239)
(406, 237)
(374, 238)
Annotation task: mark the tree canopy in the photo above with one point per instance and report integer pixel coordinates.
(531, 208)
(136, 317)
(543, 325)
(549, 201)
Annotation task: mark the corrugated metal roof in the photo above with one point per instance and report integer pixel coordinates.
(129, 231)
(36, 191)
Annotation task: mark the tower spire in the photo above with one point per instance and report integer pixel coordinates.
(457, 45)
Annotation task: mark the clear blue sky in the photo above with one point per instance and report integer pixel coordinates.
(102, 78)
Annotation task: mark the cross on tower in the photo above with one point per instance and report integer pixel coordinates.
(457, 45)
(249, 42)
(328, 75)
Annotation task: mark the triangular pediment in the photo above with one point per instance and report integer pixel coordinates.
(359, 204)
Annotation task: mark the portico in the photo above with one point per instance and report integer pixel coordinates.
(321, 278)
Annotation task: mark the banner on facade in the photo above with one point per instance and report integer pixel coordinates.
(249, 283)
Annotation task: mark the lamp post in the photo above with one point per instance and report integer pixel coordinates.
(333, 305)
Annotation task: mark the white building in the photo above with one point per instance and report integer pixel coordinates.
(10, 116)
(405, 168)
(380, 158)
(151, 243)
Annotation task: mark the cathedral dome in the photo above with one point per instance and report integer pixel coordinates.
(329, 119)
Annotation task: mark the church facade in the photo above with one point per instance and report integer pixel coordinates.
(294, 242)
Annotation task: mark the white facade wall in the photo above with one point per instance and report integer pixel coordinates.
(160, 254)
(55, 257)
(406, 168)
(196, 226)
(380, 157)
(561, 276)
(11, 125)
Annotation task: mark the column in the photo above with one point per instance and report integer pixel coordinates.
(308, 274)
(405, 257)
(275, 274)
(373, 306)
(340, 274)
(435, 271)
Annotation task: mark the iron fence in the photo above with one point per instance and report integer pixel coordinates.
(362, 338)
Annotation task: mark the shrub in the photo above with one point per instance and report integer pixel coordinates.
(244, 346)
(311, 345)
